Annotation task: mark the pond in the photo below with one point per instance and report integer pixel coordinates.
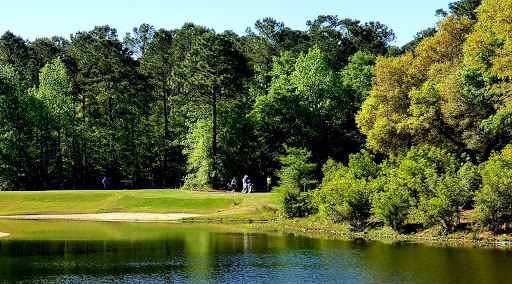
(110, 252)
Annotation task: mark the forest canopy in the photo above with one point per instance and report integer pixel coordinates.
(184, 107)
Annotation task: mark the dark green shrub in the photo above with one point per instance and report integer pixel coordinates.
(297, 204)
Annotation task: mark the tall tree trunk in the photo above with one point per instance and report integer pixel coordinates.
(59, 159)
(112, 143)
(86, 177)
(134, 154)
(74, 156)
(214, 140)
(166, 136)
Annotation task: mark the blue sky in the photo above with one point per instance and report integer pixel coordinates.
(32, 19)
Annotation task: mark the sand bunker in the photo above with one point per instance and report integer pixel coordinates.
(128, 217)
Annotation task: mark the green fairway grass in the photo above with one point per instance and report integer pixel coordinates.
(209, 204)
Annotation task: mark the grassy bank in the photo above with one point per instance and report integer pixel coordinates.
(248, 209)
(213, 205)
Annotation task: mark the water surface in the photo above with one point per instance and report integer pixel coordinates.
(106, 252)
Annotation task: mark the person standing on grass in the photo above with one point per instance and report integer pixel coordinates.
(233, 185)
(245, 181)
(105, 182)
(269, 181)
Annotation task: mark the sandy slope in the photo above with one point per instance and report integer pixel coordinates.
(129, 217)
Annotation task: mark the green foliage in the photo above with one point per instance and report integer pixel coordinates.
(340, 39)
(451, 192)
(14, 53)
(493, 203)
(233, 157)
(345, 193)
(296, 171)
(306, 107)
(55, 91)
(261, 48)
(235, 142)
(426, 184)
(393, 204)
(142, 36)
(297, 204)
(295, 180)
(487, 71)
(357, 76)
(54, 118)
(133, 103)
(363, 166)
(160, 61)
(465, 8)
(410, 46)
(198, 152)
(416, 97)
(17, 147)
(215, 69)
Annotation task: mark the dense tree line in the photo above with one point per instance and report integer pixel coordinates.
(185, 107)
(350, 125)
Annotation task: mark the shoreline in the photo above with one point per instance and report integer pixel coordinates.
(109, 217)
(459, 240)
(427, 237)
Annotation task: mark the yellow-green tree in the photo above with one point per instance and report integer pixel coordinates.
(55, 94)
(488, 64)
(406, 105)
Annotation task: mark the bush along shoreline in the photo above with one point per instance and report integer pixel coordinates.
(315, 226)
(424, 193)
